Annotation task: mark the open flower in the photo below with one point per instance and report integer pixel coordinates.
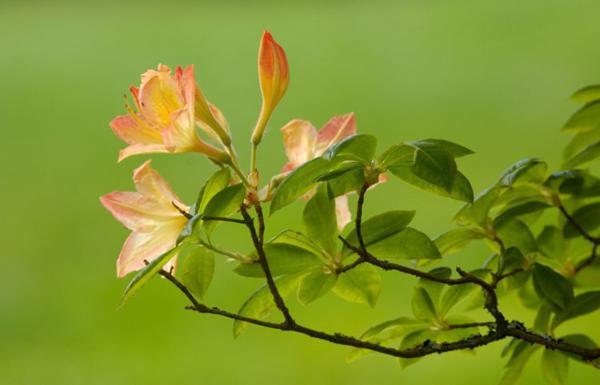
(151, 214)
(273, 76)
(168, 107)
(303, 142)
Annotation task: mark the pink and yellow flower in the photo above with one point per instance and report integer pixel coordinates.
(274, 77)
(168, 109)
(302, 142)
(151, 214)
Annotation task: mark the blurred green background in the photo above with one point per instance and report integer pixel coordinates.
(494, 76)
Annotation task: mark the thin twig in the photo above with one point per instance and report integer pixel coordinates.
(578, 227)
(224, 219)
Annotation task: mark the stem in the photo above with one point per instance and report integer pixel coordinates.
(513, 329)
(257, 239)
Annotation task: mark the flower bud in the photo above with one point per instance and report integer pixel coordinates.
(274, 76)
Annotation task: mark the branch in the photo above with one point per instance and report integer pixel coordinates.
(513, 329)
(224, 219)
(500, 329)
(578, 227)
(257, 239)
(585, 263)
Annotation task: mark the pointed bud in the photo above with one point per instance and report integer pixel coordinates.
(274, 76)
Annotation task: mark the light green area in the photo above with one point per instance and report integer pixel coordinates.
(494, 76)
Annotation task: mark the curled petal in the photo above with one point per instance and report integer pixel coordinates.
(299, 138)
(336, 129)
(137, 149)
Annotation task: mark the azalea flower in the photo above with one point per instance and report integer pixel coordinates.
(274, 77)
(151, 213)
(302, 142)
(168, 109)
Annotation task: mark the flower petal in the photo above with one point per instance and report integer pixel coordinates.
(137, 149)
(342, 212)
(336, 129)
(140, 247)
(152, 185)
(132, 129)
(160, 94)
(137, 212)
(299, 138)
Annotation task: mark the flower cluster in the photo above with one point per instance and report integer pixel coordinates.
(169, 115)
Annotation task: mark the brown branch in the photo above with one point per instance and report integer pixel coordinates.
(500, 329)
(588, 261)
(257, 240)
(578, 227)
(513, 329)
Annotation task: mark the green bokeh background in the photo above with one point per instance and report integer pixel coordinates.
(494, 76)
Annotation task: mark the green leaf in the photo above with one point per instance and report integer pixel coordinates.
(531, 170)
(517, 234)
(412, 340)
(519, 211)
(587, 94)
(461, 187)
(454, 295)
(360, 285)
(398, 155)
(522, 352)
(434, 289)
(456, 150)
(552, 287)
(580, 340)
(422, 305)
(260, 304)
(217, 182)
(350, 181)
(358, 147)
(555, 367)
(143, 276)
(542, 319)
(295, 238)
(476, 213)
(380, 227)
(434, 164)
(407, 244)
(575, 182)
(320, 220)
(586, 155)
(314, 285)
(407, 324)
(283, 259)
(511, 259)
(552, 244)
(580, 141)
(586, 118)
(196, 268)
(588, 217)
(387, 331)
(223, 204)
(455, 240)
(582, 304)
(298, 182)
